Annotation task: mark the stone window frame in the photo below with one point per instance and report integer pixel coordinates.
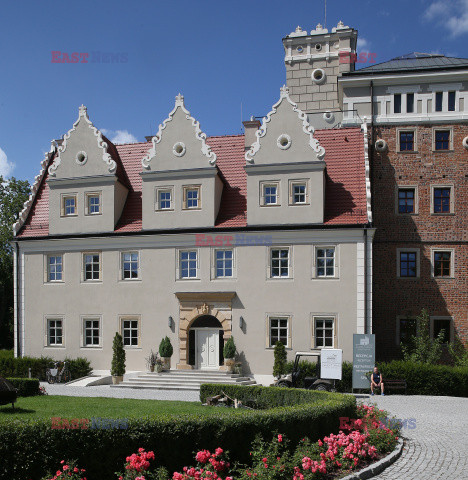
(83, 319)
(322, 316)
(432, 318)
(130, 317)
(47, 280)
(121, 269)
(452, 198)
(290, 262)
(399, 318)
(414, 187)
(418, 262)
(336, 257)
(157, 191)
(283, 316)
(47, 320)
(178, 260)
(415, 139)
(83, 267)
(436, 129)
(185, 189)
(63, 198)
(270, 183)
(213, 264)
(88, 195)
(292, 184)
(452, 263)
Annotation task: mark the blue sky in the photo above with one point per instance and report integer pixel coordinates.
(219, 54)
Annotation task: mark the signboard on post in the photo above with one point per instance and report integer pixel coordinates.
(363, 359)
(331, 360)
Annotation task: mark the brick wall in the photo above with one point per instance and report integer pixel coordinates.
(393, 296)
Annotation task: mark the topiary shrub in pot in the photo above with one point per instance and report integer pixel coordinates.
(229, 352)
(166, 351)
(118, 359)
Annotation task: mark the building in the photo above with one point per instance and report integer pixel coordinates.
(264, 236)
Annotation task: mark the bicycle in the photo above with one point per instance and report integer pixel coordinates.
(57, 375)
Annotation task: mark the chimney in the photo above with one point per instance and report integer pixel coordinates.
(250, 127)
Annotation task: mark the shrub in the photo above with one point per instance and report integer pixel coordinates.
(173, 439)
(19, 367)
(425, 379)
(280, 360)
(6, 354)
(118, 356)
(165, 348)
(229, 350)
(27, 387)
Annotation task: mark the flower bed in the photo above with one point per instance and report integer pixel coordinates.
(331, 457)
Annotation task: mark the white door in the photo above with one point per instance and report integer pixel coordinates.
(207, 349)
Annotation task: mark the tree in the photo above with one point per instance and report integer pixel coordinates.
(279, 366)
(229, 349)
(421, 347)
(118, 357)
(13, 194)
(165, 348)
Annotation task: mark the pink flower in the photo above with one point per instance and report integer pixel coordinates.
(280, 438)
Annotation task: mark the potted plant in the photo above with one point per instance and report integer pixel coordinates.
(151, 361)
(118, 359)
(229, 352)
(166, 351)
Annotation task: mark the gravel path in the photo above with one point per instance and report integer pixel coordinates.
(108, 391)
(437, 447)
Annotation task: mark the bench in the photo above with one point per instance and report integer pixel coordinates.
(394, 384)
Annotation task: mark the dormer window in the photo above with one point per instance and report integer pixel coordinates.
(298, 193)
(438, 101)
(192, 197)
(164, 198)
(93, 203)
(68, 205)
(269, 194)
(397, 103)
(451, 101)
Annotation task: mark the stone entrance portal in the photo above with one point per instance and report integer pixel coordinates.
(192, 306)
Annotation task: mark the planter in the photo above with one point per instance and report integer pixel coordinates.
(166, 363)
(230, 363)
(151, 368)
(116, 379)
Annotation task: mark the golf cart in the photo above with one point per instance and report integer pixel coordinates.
(311, 383)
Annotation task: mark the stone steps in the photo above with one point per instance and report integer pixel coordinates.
(182, 380)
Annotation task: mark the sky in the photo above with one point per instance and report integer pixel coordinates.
(225, 57)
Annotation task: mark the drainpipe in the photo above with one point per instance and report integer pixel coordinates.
(371, 149)
(365, 281)
(17, 299)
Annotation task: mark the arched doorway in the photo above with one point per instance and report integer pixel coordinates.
(205, 343)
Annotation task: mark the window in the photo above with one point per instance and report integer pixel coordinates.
(224, 263)
(192, 197)
(407, 329)
(54, 268)
(91, 332)
(442, 200)
(164, 198)
(130, 332)
(93, 204)
(409, 102)
(130, 265)
(323, 331)
(442, 326)
(442, 139)
(270, 193)
(442, 263)
(408, 264)
(92, 266)
(188, 264)
(278, 331)
(279, 262)
(68, 205)
(397, 103)
(438, 101)
(54, 332)
(406, 141)
(451, 101)
(325, 262)
(298, 193)
(406, 200)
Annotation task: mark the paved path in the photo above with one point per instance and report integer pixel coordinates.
(437, 448)
(108, 391)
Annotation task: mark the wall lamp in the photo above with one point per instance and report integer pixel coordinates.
(170, 322)
(241, 322)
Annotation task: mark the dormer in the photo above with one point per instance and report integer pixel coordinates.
(87, 184)
(285, 169)
(180, 181)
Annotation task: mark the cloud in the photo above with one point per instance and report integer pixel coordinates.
(6, 167)
(362, 45)
(453, 17)
(119, 136)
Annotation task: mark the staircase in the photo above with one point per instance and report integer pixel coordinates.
(182, 380)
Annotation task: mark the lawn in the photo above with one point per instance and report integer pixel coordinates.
(48, 406)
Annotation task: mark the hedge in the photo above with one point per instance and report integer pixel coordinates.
(173, 439)
(27, 387)
(19, 367)
(426, 379)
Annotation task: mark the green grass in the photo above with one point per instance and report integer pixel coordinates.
(48, 406)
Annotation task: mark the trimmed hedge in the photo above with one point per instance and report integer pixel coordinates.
(27, 387)
(426, 379)
(19, 367)
(173, 439)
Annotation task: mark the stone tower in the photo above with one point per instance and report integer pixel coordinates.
(313, 64)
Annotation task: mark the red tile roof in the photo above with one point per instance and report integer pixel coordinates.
(345, 197)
